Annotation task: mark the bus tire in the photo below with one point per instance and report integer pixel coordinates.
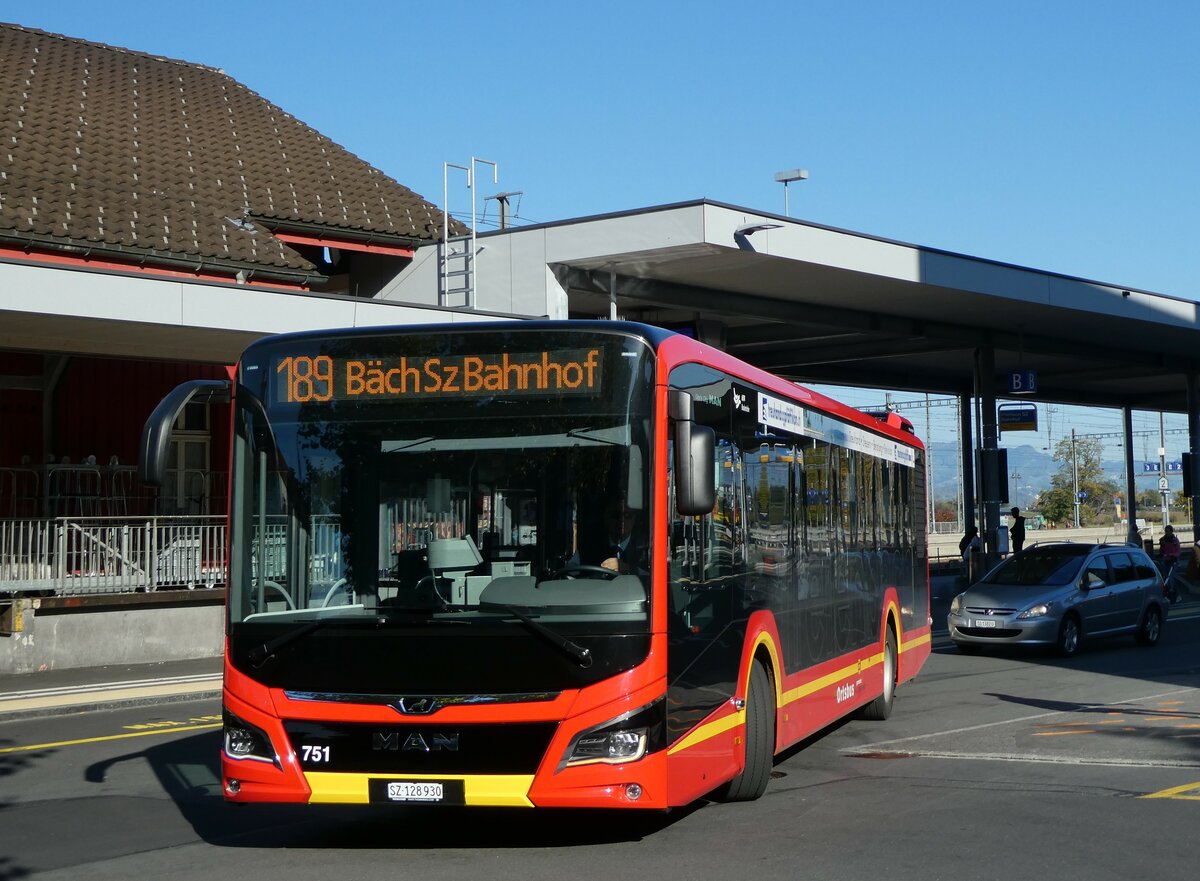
(880, 708)
(751, 782)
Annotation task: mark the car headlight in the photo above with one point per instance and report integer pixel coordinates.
(956, 605)
(626, 738)
(1038, 611)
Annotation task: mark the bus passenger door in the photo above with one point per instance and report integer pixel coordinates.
(704, 649)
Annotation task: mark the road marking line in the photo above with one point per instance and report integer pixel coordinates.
(1176, 792)
(1044, 760)
(107, 737)
(873, 747)
(1060, 733)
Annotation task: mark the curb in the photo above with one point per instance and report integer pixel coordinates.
(104, 696)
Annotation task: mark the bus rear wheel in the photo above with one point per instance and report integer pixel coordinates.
(880, 708)
(751, 783)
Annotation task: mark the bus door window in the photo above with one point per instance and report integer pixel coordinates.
(770, 550)
(815, 590)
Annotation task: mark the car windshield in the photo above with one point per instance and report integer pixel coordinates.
(1054, 564)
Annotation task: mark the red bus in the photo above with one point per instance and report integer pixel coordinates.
(552, 564)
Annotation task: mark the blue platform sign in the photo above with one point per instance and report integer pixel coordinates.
(1175, 467)
(1022, 382)
(1151, 467)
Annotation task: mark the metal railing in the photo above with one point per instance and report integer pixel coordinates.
(97, 555)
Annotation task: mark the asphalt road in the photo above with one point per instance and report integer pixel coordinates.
(992, 767)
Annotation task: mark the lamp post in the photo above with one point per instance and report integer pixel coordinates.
(787, 177)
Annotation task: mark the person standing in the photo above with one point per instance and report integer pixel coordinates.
(1017, 532)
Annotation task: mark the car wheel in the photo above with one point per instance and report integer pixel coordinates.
(1150, 628)
(760, 740)
(1069, 634)
(880, 708)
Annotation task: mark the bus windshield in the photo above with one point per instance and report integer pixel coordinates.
(444, 478)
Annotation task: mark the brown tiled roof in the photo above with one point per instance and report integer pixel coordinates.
(123, 152)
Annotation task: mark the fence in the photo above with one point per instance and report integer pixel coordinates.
(96, 555)
(107, 491)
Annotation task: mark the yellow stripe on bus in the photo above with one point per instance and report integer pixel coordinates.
(711, 729)
(704, 732)
(484, 790)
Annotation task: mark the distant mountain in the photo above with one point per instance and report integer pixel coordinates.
(1035, 468)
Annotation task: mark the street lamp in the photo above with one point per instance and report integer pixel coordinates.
(785, 178)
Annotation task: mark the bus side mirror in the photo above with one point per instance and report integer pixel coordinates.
(695, 480)
(156, 434)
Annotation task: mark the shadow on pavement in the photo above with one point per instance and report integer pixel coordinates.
(11, 763)
(189, 771)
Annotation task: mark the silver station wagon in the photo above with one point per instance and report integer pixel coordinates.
(1057, 594)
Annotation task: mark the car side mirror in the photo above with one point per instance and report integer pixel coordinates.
(1091, 581)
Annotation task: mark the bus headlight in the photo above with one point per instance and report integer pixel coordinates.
(612, 747)
(626, 738)
(246, 741)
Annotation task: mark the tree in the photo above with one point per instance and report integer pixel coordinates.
(1058, 502)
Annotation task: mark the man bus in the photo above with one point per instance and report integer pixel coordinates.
(425, 605)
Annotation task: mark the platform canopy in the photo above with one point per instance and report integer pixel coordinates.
(819, 304)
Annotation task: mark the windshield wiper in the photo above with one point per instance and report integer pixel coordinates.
(596, 435)
(581, 655)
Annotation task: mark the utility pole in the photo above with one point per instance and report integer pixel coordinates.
(502, 201)
(929, 470)
(1162, 472)
(1075, 477)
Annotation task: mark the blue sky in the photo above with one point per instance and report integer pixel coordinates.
(1060, 135)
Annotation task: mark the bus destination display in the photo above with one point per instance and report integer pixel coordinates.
(301, 379)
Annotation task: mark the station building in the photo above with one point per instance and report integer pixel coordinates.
(156, 216)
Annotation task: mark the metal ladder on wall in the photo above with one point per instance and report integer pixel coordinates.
(457, 276)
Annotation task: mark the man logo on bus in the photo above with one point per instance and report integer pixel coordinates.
(431, 742)
(416, 706)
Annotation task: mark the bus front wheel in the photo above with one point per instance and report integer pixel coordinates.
(760, 740)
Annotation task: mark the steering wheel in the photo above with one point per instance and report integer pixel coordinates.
(579, 569)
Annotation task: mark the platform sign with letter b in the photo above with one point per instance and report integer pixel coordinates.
(1022, 382)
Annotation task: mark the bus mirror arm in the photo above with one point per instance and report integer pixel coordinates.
(156, 434)
(695, 481)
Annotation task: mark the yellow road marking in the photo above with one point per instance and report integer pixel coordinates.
(1060, 733)
(107, 737)
(1177, 792)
